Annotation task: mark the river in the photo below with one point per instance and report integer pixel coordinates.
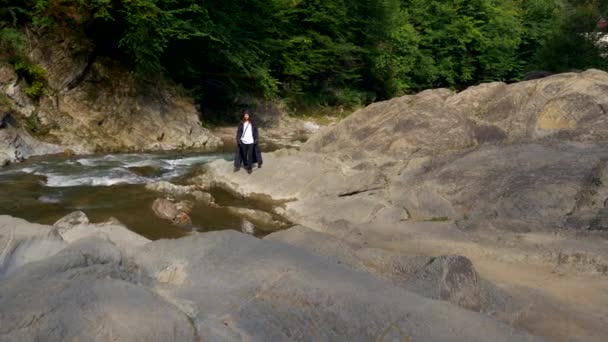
(44, 189)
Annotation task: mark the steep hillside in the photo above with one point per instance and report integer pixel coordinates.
(91, 103)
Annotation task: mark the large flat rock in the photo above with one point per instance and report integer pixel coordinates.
(219, 286)
(237, 287)
(514, 177)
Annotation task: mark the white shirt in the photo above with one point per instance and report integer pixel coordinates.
(247, 137)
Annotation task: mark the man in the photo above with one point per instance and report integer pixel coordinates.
(247, 138)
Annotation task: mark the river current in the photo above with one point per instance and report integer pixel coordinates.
(44, 189)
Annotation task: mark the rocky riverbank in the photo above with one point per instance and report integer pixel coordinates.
(89, 103)
(512, 177)
(441, 216)
(101, 282)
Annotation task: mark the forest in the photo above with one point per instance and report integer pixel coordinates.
(313, 53)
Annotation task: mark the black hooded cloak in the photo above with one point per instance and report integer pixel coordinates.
(239, 155)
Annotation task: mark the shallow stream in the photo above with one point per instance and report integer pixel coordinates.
(44, 189)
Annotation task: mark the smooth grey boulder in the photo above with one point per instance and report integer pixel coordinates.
(451, 278)
(22, 242)
(569, 106)
(236, 287)
(86, 292)
(217, 286)
(17, 145)
(73, 219)
(520, 187)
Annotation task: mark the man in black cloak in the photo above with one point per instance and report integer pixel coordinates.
(247, 140)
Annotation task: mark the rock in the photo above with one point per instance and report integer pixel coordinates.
(5, 158)
(147, 171)
(203, 197)
(296, 291)
(165, 209)
(340, 192)
(87, 278)
(74, 219)
(76, 226)
(533, 187)
(182, 219)
(261, 220)
(23, 242)
(600, 222)
(97, 104)
(15, 146)
(206, 286)
(455, 280)
(449, 278)
(391, 214)
(176, 213)
(439, 121)
(482, 157)
(432, 188)
(201, 181)
(113, 221)
(258, 216)
(311, 126)
(181, 190)
(185, 206)
(247, 227)
(68, 152)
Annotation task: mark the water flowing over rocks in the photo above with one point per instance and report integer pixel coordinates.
(441, 216)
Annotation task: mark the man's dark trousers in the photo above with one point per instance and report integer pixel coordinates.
(248, 156)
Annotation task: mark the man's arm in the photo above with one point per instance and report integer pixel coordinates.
(239, 132)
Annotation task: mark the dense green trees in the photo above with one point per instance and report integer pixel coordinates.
(576, 41)
(326, 52)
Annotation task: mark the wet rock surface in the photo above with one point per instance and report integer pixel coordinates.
(174, 190)
(177, 213)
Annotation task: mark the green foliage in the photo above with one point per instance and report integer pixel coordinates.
(439, 219)
(539, 19)
(150, 25)
(5, 103)
(12, 43)
(319, 53)
(575, 43)
(35, 76)
(464, 42)
(393, 52)
(34, 126)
